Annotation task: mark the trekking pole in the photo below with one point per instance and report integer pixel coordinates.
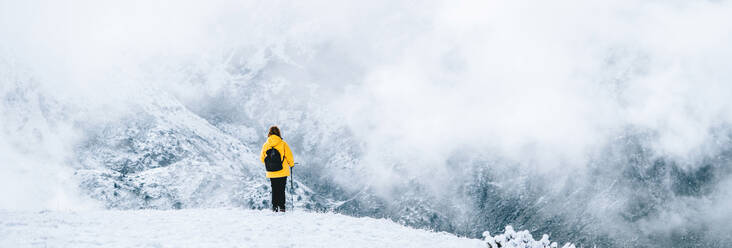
(292, 189)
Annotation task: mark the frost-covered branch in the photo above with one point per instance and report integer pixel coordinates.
(520, 239)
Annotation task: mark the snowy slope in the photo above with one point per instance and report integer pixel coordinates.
(165, 157)
(212, 228)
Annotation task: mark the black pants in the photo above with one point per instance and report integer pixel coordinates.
(278, 193)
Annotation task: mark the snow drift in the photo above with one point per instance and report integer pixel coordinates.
(212, 228)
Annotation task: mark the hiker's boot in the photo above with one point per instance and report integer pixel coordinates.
(274, 209)
(282, 209)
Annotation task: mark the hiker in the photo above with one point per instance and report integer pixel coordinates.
(277, 158)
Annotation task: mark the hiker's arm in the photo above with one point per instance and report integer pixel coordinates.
(290, 159)
(262, 154)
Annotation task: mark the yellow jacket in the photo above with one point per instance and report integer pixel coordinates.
(282, 147)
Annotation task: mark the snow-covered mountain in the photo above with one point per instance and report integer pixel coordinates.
(597, 123)
(163, 156)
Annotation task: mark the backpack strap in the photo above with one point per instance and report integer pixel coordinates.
(284, 152)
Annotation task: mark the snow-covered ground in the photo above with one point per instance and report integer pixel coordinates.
(212, 228)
